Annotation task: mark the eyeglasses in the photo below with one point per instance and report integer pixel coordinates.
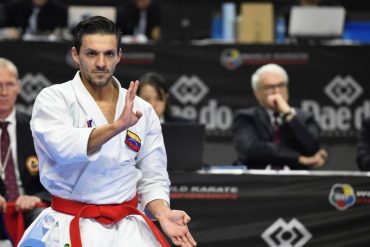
(272, 88)
(8, 85)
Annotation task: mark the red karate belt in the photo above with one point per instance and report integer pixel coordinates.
(104, 214)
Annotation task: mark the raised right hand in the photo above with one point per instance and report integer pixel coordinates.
(128, 117)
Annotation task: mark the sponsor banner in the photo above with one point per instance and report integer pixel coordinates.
(274, 210)
(208, 83)
(284, 234)
(204, 192)
(31, 85)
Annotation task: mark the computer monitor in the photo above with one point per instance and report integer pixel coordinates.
(184, 144)
(186, 22)
(78, 13)
(316, 22)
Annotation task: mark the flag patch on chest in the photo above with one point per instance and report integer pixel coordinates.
(89, 123)
(133, 141)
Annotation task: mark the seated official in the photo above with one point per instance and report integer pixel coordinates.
(19, 163)
(140, 17)
(153, 89)
(35, 17)
(274, 134)
(363, 146)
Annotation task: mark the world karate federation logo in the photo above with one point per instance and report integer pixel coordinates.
(342, 196)
(343, 90)
(32, 85)
(231, 59)
(189, 89)
(283, 234)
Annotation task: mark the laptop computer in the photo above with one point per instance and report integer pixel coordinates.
(186, 21)
(184, 144)
(317, 22)
(77, 13)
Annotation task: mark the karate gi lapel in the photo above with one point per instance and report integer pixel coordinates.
(88, 103)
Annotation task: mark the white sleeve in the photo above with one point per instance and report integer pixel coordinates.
(152, 161)
(53, 129)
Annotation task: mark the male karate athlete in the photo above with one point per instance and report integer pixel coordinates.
(101, 150)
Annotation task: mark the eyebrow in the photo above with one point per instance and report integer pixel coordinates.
(94, 50)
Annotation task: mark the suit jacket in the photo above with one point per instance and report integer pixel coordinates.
(27, 159)
(363, 146)
(252, 133)
(51, 16)
(128, 17)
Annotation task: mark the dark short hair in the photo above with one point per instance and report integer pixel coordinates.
(157, 81)
(95, 25)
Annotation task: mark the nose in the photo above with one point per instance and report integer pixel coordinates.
(101, 61)
(276, 89)
(3, 90)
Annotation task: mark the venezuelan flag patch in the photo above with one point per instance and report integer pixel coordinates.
(133, 141)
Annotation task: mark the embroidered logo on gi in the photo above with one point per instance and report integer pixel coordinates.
(89, 123)
(133, 141)
(32, 164)
(66, 245)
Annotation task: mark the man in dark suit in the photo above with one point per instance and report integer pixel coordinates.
(363, 146)
(35, 16)
(140, 17)
(18, 151)
(274, 134)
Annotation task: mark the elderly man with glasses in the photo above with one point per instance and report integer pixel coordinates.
(275, 135)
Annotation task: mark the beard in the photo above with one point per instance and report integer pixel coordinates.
(98, 81)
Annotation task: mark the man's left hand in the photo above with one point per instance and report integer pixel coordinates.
(174, 224)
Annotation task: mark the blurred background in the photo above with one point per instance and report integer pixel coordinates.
(207, 50)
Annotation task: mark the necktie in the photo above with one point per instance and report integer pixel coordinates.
(276, 138)
(32, 21)
(275, 129)
(140, 28)
(7, 166)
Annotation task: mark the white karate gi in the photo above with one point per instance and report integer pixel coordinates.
(60, 119)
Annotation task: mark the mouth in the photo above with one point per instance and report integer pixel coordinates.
(3, 102)
(100, 72)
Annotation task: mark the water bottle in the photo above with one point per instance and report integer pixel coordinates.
(217, 32)
(228, 19)
(280, 29)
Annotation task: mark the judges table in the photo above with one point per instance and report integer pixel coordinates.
(276, 209)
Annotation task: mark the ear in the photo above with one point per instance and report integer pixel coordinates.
(75, 56)
(19, 86)
(256, 93)
(120, 55)
(166, 96)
